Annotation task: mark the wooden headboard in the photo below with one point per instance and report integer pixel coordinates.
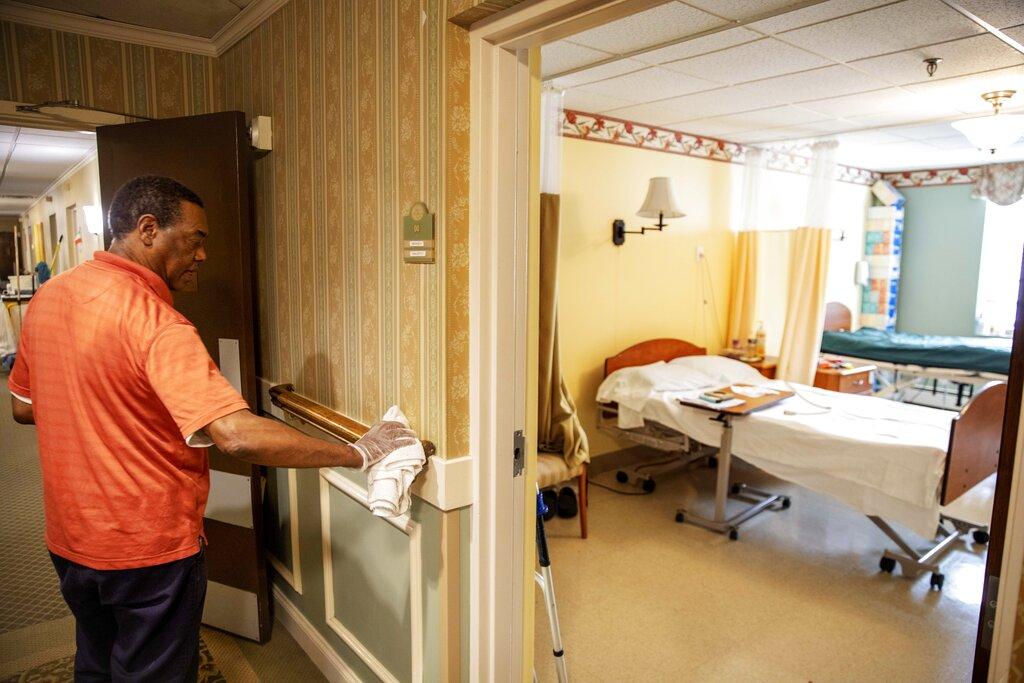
(651, 351)
(974, 438)
(837, 317)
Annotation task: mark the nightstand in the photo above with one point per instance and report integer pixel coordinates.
(855, 380)
(766, 366)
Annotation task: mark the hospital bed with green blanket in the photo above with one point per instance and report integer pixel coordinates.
(903, 358)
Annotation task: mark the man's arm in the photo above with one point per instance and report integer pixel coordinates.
(22, 411)
(262, 441)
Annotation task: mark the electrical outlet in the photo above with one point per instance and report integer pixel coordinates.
(700, 252)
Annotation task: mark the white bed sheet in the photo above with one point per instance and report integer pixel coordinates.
(878, 456)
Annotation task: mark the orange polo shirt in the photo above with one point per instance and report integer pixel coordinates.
(119, 381)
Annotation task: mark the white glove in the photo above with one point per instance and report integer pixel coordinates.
(383, 439)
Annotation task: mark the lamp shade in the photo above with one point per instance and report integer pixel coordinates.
(661, 200)
(992, 132)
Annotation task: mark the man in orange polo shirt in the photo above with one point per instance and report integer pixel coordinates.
(125, 399)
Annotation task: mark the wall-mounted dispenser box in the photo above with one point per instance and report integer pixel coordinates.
(418, 235)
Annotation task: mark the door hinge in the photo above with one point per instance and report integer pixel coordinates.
(518, 453)
(991, 600)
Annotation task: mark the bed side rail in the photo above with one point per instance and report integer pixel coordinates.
(974, 436)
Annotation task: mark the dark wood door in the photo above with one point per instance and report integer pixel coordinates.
(211, 155)
(993, 591)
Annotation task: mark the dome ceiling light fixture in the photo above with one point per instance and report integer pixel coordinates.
(992, 132)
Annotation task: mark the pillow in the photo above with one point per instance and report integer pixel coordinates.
(632, 387)
(721, 369)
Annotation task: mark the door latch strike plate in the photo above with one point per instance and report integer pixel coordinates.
(991, 598)
(518, 453)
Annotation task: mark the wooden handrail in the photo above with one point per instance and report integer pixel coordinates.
(323, 418)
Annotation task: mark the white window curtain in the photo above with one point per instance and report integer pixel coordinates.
(1001, 184)
(781, 258)
(551, 141)
(819, 192)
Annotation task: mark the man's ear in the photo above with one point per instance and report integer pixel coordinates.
(147, 227)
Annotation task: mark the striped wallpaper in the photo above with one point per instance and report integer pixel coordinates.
(38, 64)
(370, 107)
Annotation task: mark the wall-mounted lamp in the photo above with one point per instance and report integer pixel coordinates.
(661, 203)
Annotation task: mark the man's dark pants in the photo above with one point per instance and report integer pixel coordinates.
(136, 624)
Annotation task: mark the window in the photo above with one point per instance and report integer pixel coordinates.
(1002, 244)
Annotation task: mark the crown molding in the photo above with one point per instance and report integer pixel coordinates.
(42, 17)
(246, 21)
(243, 23)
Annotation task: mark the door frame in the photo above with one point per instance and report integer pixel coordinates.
(499, 287)
(501, 566)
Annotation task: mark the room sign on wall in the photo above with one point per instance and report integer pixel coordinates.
(418, 235)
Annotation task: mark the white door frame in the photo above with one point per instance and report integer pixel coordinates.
(499, 244)
(499, 232)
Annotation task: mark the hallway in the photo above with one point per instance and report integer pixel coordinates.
(37, 630)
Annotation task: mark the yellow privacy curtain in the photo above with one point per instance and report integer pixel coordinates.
(743, 307)
(805, 304)
(559, 429)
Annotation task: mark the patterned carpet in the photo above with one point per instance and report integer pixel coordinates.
(37, 632)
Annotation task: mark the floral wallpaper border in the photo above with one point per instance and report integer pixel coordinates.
(600, 128)
(931, 177)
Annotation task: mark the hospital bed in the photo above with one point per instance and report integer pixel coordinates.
(893, 462)
(903, 358)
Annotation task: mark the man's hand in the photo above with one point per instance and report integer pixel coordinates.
(383, 439)
(22, 411)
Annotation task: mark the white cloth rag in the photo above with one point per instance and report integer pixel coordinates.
(388, 481)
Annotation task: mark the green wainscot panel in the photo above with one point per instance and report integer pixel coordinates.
(277, 516)
(370, 564)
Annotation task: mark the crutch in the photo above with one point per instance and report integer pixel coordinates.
(547, 585)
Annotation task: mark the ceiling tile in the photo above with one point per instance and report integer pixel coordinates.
(35, 139)
(589, 102)
(773, 117)
(867, 138)
(698, 46)
(963, 93)
(951, 142)
(829, 81)
(656, 114)
(756, 136)
(814, 14)
(740, 10)
(711, 103)
(966, 56)
(598, 73)
(760, 59)
(928, 131)
(652, 83)
(861, 104)
(999, 13)
(713, 127)
(565, 55)
(651, 27)
(1017, 33)
(885, 29)
(891, 118)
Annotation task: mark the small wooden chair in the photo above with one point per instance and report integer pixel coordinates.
(552, 470)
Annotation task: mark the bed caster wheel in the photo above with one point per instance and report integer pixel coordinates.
(647, 486)
(980, 536)
(735, 489)
(937, 580)
(712, 462)
(786, 502)
(733, 534)
(680, 518)
(887, 565)
(621, 477)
